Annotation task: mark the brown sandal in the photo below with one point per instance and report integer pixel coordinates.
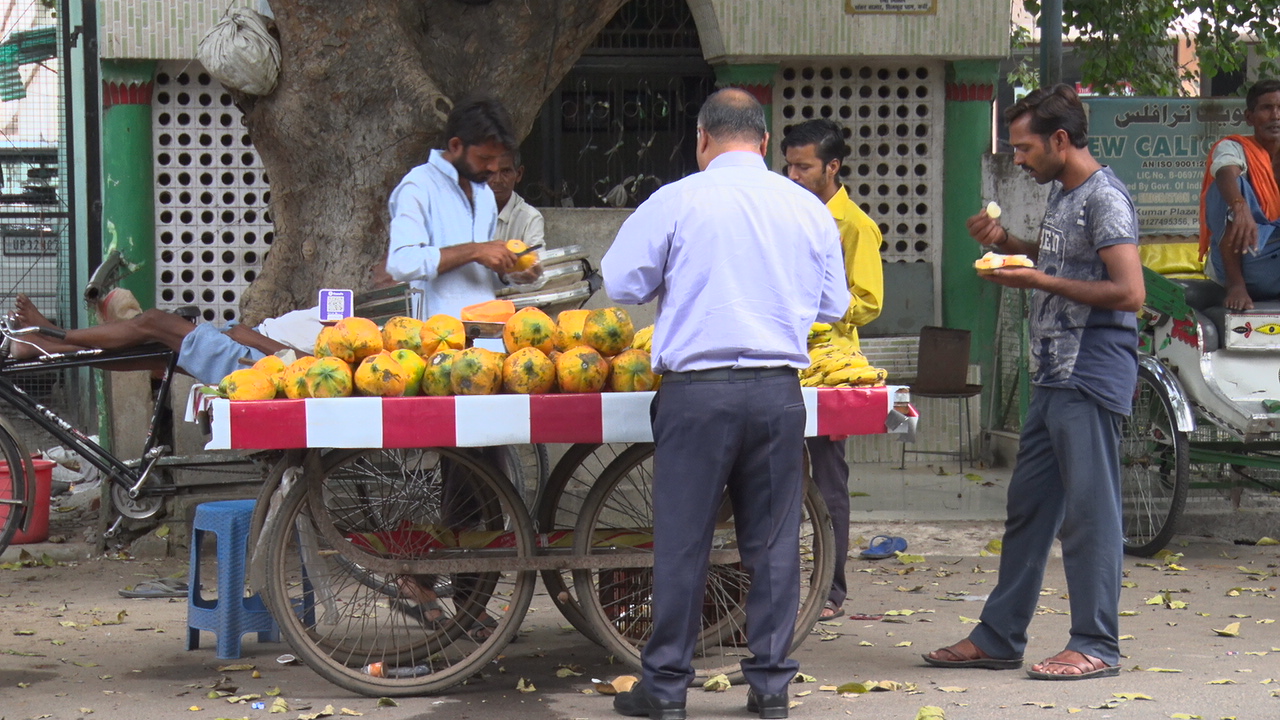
(1089, 667)
(981, 660)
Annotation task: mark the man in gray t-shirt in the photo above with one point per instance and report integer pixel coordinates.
(1086, 287)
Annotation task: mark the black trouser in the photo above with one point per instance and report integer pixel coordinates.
(831, 476)
(742, 429)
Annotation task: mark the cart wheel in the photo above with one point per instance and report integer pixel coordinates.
(17, 500)
(1154, 467)
(366, 536)
(558, 507)
(618, 600)
(535, 468)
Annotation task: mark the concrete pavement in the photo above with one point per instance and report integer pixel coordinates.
(63, 656)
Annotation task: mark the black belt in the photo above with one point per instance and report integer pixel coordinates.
(729, 374)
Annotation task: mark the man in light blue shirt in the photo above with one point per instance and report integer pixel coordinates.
(741, 262)
(443, 216)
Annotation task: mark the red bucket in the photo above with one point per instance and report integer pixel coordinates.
(38, 525)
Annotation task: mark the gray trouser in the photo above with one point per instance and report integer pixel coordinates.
(831, 476)
(747, 434)
(1066, 483)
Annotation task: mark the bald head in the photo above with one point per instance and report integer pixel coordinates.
(733, 115)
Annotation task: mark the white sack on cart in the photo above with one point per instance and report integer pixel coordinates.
(240, 53)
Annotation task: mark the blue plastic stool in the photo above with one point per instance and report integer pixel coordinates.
(230, 615)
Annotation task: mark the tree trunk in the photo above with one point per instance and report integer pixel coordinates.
(363, 94)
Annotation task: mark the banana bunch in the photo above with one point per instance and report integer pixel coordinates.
(820, 333)
(643, 339)
(836, 363)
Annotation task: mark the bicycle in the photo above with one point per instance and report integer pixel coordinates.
(138, 487)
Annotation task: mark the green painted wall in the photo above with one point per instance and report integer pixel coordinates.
(128, 187)
(967, 301)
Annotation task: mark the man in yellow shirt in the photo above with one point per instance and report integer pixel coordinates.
(814, 151)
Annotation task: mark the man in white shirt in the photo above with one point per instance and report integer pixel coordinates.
(741, 262)
(517, 219)
(444, 215)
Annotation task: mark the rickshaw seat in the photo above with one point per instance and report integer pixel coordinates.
(1202, 294)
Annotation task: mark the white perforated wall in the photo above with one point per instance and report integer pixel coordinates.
(212, 225)
(893, 121)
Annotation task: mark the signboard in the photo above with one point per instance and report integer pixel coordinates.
(1158, 147)
(895, 7)
(336, 305)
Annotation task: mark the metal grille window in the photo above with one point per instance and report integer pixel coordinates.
(893, 121)
(212, 224)
(622, 122)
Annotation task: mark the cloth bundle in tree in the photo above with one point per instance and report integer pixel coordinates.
(240, 53)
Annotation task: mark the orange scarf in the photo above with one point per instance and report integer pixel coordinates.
(1261, 178)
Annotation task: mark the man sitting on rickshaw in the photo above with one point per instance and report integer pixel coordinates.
(1240, 204)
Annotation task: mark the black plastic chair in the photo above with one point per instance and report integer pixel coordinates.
(942, 364)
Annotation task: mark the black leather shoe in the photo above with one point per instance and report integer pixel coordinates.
(639, 703)
(773, 707)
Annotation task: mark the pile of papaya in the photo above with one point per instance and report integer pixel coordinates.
(581, 351)
(835, 361)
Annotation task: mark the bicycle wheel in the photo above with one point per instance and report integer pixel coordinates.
(558, 507)
(366, 529)
(1155, 469)
(618, 600)
(16, 500)
(535, 468)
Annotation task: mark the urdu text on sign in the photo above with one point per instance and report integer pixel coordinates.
(1158, 147)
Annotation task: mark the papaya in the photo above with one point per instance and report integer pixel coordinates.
(476, 371)
(441, 332)
(380, 375)
(295, 378)
(414, 366)
(402, 332)
(490, 311)
(631, 371)
(437, 377)
(328, 335)
(581, 370)
(526, 261)
(528, 371)
(274, 368)
(608, 330)
(569, 328)
(329, 377)
(354, 339)
(529, 327)
(247, 384)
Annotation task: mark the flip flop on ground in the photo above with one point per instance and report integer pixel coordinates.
(1084, 666)
(429, 614)
(483, 628)
(884, 546)
(158, 588)
(965, 654)
(831, 611)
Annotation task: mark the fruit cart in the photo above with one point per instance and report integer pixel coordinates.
(398, 560)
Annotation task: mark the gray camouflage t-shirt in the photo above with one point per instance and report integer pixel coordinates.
(1074, 345)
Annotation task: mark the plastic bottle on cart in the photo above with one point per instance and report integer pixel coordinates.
(381, 670)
